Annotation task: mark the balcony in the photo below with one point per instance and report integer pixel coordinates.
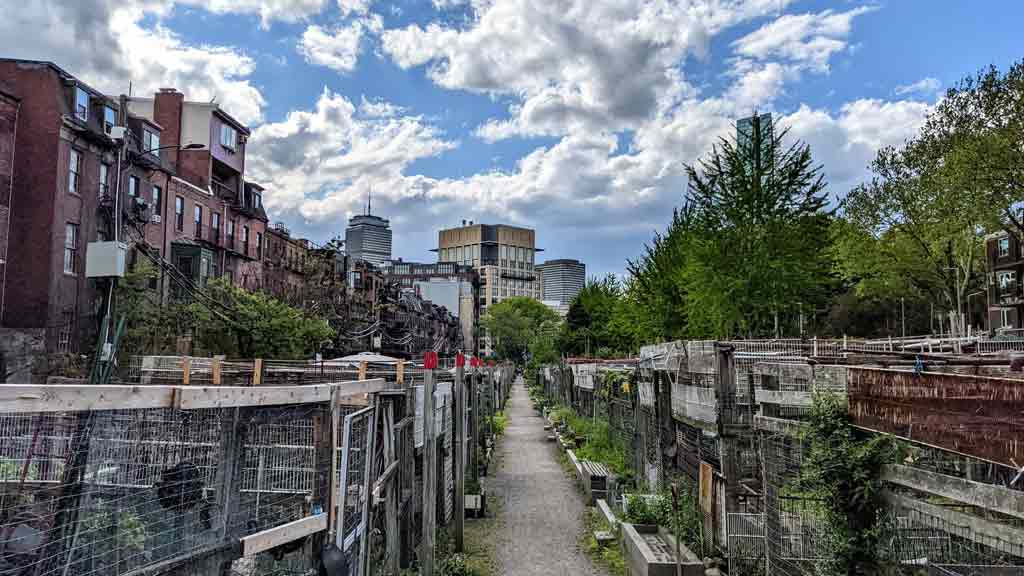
(222, 190)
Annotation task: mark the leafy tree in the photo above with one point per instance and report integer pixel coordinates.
(761, 247)
(255, 325)
(513, 323)
(907, 233)
(150, 325)
(977, 130)
(600, 321)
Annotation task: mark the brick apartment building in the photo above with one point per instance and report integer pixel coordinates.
(59, 188)
(1005, 259)
(62, 197)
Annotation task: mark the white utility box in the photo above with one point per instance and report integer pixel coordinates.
(105, 259)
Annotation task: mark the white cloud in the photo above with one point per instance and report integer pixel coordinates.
(925, 86)
(318, 163)
(573, 65)
(104, 43)
(354, 6)
(338, 48)
(807, 39)
(267, 10)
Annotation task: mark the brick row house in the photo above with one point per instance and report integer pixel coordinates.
(165, 176)
(1005, 259)
(181, 190)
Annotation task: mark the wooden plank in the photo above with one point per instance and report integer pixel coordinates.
(429, 507)
(332, 497)
(257, 372)
(22, 398)
(186, 370)
(400, 372)
(362, 370)
(987, 496)
(273, 537)
(215, 370)
(995, 535)
(198, 397)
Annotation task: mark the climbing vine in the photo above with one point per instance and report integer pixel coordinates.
(843, 471)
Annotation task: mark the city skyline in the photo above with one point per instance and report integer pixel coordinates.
(347, 96)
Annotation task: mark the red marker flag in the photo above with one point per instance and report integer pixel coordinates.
(430, 360)
(460, 360)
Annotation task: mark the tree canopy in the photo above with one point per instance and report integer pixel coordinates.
(513, 323)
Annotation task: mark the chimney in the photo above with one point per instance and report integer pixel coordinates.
(167, 111)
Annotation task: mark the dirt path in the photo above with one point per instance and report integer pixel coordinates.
(542, 510)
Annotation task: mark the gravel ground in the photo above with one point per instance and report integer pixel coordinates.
(542, 511)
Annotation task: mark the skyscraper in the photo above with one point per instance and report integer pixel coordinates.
(368, 238)
(503, 255)
(561, 280)
(745, 134)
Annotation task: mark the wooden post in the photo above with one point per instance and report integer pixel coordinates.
(459, 414)
(215, 371)
(474, 425)
(332, 487)
(257, 372)
(186, 370)
(727, 433)
(369, 478)
(400, 372)
(429, 474)
(362, 370)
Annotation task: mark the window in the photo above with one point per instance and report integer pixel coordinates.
(245, 233)
(104, 179)
(133, 186)
(179, 213)
(1004, 314)
(70, 248)
(1004, 247)
(74, 170)
(197, 212)
(109, 119)
(150, 141)
(259, 245)
(215, 222)
(158, 205)
(81, 104)
(228, 137)
(231, 228)
(257, 199)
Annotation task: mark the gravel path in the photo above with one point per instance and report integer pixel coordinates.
(542, 510)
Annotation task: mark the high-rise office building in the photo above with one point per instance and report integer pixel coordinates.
(561, 280)
(503, 256)
(368, 238)
(745, 134)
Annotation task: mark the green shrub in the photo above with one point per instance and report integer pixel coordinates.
(456, 565)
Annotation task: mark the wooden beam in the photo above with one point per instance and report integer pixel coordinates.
(257, 372)
(215, 370)
(186, 370)
(995, 535)
(362, 370)
(22, 398)
(283, 534)
(987, 496)
(400, 372)
(198, 397)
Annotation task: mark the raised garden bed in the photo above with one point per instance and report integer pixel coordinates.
(650, 551)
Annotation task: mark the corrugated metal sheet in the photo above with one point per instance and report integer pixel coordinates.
(972, 415)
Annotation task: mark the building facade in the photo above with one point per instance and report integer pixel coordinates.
(454, 286)
(214, 223)
(64, 192)
(503, 256)
(561, 280)
(368, 238)
(1005, 259)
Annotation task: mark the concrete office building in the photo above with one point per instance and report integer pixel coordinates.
(503, 256)
(368, 238)
(561, 280)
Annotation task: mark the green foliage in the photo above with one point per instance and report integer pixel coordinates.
(150, 325)
(600, 445)
(843, 471)
(762, 248)
(598, 322)
(256, 325)
(609, 556)
(498, 423)
(513, 324)
(686, 525)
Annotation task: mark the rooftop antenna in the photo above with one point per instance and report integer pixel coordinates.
(369, 197)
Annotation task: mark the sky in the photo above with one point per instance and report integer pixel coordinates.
(573, 117)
